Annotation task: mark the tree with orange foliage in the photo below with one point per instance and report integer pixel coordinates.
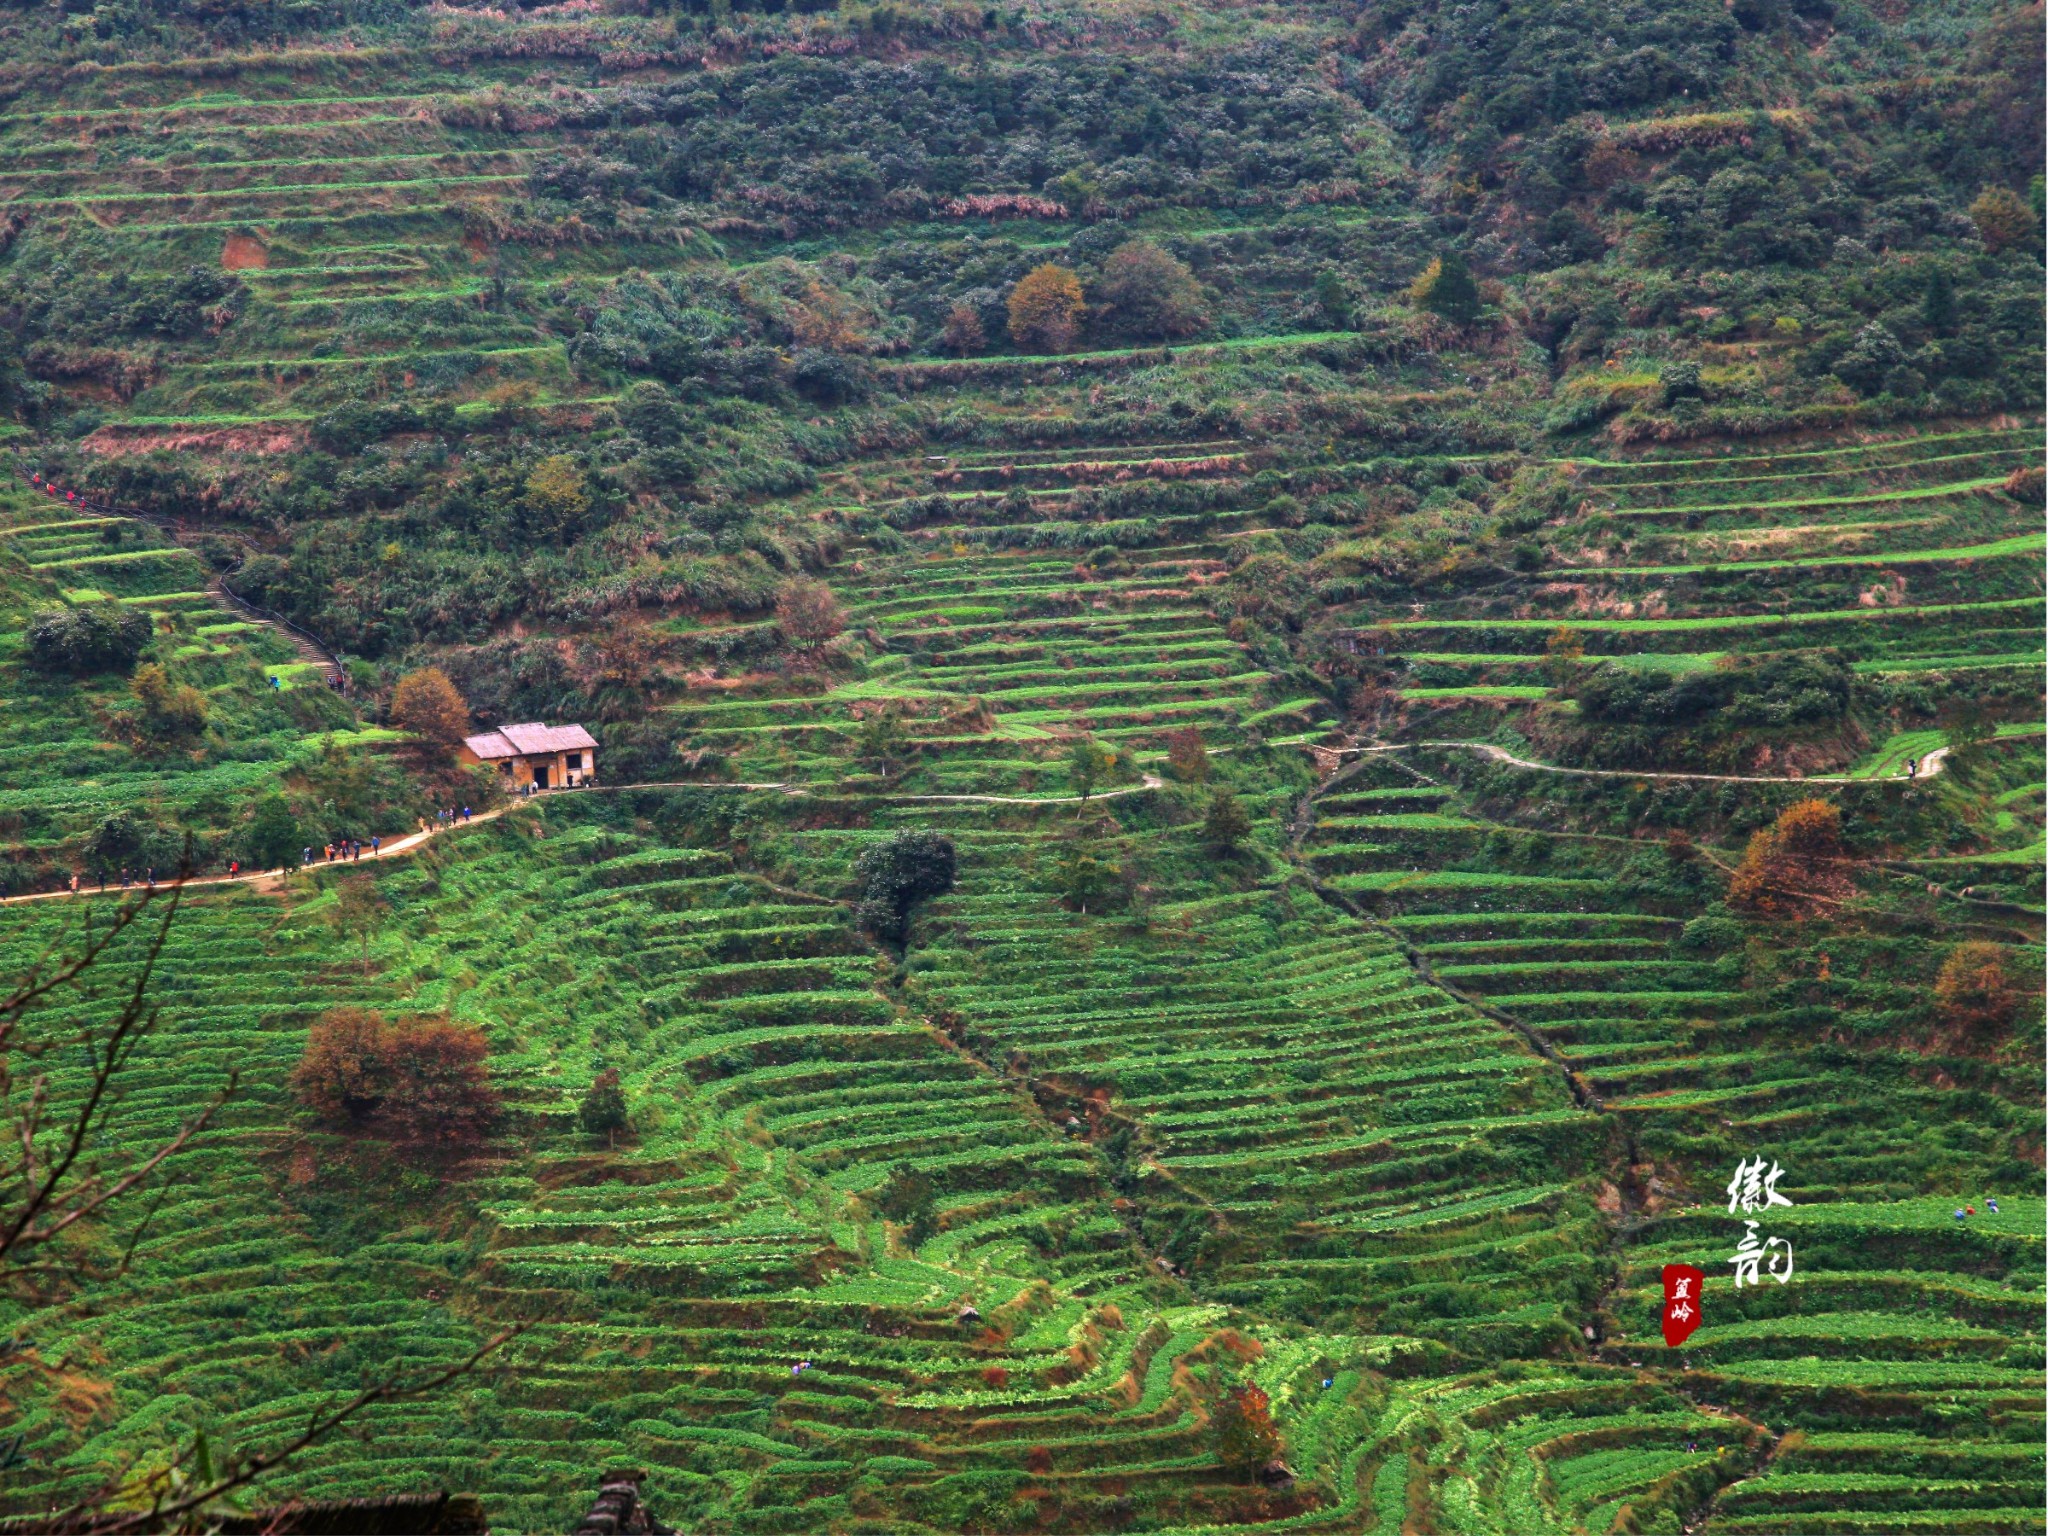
(1974, 989)
(421, 1077)
(2003, 218)
(1046, 308)
(1243, 1426)
(807, 613)
(1186, 758)
(1793, 864)
(427, 704)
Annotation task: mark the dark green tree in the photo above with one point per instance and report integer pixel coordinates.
(909, 1199)
(1966, 730)
(98, 637)
(603, 1110)
(1334, 299)
(1225, 826)
(1084, 881)
(1150, 292)
(1446, 288)
(1938, 302)
(1871, 357)
(1680, 380)
(1088, 764)
(895, 875)
(273, 837)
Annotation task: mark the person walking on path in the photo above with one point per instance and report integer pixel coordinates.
(376, 845)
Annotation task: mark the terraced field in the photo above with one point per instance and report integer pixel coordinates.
(390, 242)
(342, 213)
(1330, 997)
(1901, 553)
(1413, 1084)
(68, 770)
(846, 1368)
(1906, 1350)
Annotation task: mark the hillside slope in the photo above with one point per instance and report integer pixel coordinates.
(1155, 450)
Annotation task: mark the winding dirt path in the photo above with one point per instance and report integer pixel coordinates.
(270, 879)
(412, 842)
(1930, 765)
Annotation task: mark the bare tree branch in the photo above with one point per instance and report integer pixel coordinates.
(51, 1181)
(324, 1421)
(51, 1200)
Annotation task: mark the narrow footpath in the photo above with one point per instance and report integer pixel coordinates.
(270, 879)
(1930, 765)
(412, 842)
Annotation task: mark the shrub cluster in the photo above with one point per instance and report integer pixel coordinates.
(418, 1077)
(95, 637)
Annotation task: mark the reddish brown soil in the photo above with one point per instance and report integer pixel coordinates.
(280, 437)
(243, 252)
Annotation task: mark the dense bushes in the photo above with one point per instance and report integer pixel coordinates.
(911, 866)
(893, 142)
(94, 637)
(1785, 689)
(75, 293)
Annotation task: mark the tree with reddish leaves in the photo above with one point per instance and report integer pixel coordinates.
(420, 1078)
(1243, 1428)
(807, 613)
(345, 1073)
(443, 1090)
(1974, 989)
(1186, 758)
(1795, 864)
(964, 332)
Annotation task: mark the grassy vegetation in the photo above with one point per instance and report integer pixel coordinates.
(669, 372)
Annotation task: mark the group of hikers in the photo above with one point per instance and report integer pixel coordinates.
(125, 879)
(347, 850)
(342, 851)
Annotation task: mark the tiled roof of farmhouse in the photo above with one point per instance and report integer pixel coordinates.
(528, 740)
